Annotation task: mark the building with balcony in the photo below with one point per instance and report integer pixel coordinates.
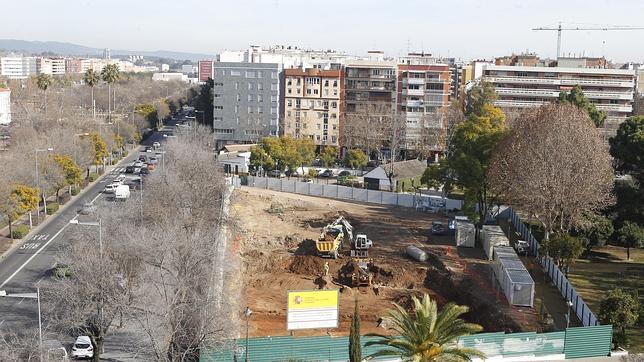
(246, 102)
(51, 66)
(423, 91)
(5, 106)
(369, 83)
(17, 66)
(73, 65)
(610, 90)
(311, 100)
(205, 69)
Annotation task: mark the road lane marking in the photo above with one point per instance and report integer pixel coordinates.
(2, 321)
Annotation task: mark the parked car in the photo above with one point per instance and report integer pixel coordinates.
(82, 348)
(438, 228)
(130, 169)
(344, 173)
(290, 173)
(87, 208)
(55, 350)
(153, 160)
(156, 145)
(144, 171)
(148, 149)
(326, 173)
(276, 173)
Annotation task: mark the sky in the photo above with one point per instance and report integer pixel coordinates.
(464, 29)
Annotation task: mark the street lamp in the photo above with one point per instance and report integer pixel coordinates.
(247, 313)
(568, 306)
(36, 295)
(48, 149)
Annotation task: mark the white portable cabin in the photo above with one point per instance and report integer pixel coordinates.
(491, 236)
(465, 234)
(513, 277)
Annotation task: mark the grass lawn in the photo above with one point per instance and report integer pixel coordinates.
(605, 269)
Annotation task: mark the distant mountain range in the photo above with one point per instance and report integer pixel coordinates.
(60, 48)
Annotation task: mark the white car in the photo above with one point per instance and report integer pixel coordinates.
(82, 348)
(122, 192)
(109, 189)
(156, 145)
(119, 179)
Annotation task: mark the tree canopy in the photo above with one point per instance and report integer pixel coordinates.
(355, 159)
(563, 248)
(328, 155)
(620, 309)
(631, 235)
(576, 97)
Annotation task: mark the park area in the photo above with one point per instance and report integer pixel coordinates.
(605, 269)
(275, 234)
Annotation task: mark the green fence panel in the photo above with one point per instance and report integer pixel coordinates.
(516, 344)
(592, 341)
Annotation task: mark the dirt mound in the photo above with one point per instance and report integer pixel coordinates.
(307, 265)
(382, 275)
(306, 247)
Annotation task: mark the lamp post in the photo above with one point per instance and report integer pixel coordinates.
(568, 306)
(49, 149)
(247, 313)
(36, 295)
(100, 251)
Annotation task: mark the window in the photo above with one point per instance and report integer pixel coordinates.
(260, 110)
(238, 97)
(236, 85)
(219, 107)
(326, 92)
(273, 110)
(289, 81)
(260, 98)
(288, 113)
(236, 109)
(326, 104)
(250, 109)
(235, 73)
(274, 75)
(318, 137)
(260, 86)
(298, 91)
(389, 72)
(259, 74)
(375, 71)
(250, 97)
(252, 132)
(274, 99)
(434, 86)
(224, 130)
(289, 102)
(250, 74)
(288, 91)
(216, 95)
(298, 103)
(315, 91)
(319, 114)
(334, 139)
(333, 115)
(250, 86)
(308, 91)
(326, 83)
(335, 83)
(219, 119)
(274, 86)
(219, 84)
(334, 104)
(318, 126)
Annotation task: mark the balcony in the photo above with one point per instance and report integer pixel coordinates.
(411, 103)
(614, 107)
(413, 92)
(419, 81)
(554, 93)
(560, 81)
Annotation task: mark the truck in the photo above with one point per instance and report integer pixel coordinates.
(332, 238)
(122, 192)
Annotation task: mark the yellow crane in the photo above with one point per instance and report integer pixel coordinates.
(561, 27)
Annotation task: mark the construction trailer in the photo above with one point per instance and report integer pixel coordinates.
(491, 236)
(465, 234)
(513, 277)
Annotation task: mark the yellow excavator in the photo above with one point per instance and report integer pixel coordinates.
(332, 238)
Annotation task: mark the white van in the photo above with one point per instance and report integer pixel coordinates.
(122, 192)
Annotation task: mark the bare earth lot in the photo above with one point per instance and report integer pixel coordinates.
(278, 254)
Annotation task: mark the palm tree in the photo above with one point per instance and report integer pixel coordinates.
(91, 78)
(110, 74)
(43, 81)
(427, 335)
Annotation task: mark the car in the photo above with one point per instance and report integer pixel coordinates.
(276, 173)
(290, 173)
(438, 228)
(308, 180)
(55, 351)
(87, 208)
(344, 173)
(152, 166)
(326, 173)
(148, 149)
(82, 348)
(122, 192)
(119, 179)
(143, 158)
(138, 164)
(156, 145)
(130, 169)
(144, 171)
(153, 160)
(109, 189)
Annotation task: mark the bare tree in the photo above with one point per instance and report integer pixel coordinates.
(554, 164)
(19, 347)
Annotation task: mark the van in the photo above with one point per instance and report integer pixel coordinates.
(122, 192)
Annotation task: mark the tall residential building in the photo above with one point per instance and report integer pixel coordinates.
(17, 66)
(205, 70)
(610, 90)
(73, 65)
(5, 106)
(369, 83)
(423, 91)
(51, 66)
(289, 57)
(312, 104)
(246, 102)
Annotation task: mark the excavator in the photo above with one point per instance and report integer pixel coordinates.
(332, 238)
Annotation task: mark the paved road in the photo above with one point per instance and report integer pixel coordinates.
(22, 269)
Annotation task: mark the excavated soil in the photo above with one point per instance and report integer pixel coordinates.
(278, 251)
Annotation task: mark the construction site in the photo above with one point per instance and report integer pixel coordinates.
(376, 254)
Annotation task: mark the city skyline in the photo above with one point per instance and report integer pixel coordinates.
(466, 30)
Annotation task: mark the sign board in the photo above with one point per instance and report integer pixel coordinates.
(312, 309)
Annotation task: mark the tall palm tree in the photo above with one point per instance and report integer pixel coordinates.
(43, 81)
(110, 74)
(427, 335)
(91, 78)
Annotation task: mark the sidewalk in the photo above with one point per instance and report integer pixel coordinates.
(46, 219)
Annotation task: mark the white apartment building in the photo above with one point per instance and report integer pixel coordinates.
(289, 57)
(51, 66)
(610, 90)
(166, 77)
(17, 66)
(5, 106)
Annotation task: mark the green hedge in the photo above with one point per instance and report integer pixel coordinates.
(124, 153)
(75, 191)
(114, 161)
(52, 207)
(19, 231)
(92, 177)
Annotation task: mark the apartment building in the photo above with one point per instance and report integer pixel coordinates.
(205, 69)
(422, 92)
(17, 66)
(51, 66)
(369, 83)
(5, 106)
(610, 90)
(312, 101)
(246, 101)
(73, 65)
(289, 57)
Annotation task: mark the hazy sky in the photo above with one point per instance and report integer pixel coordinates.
(461, 28)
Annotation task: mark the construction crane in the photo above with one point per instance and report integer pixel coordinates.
(562, 27)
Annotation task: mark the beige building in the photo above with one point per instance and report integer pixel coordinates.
(51, 66)
(312, 105)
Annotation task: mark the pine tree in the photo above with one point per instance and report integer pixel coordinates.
(355, 349)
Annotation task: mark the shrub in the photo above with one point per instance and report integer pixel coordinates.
(92, 177)
(52, 207)
(124, 153)
(19, 231)
(75, 191)
(114, 161)
(313, 172)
